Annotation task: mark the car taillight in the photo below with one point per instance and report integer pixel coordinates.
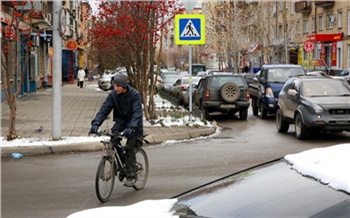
(248, 95)
(207, 94)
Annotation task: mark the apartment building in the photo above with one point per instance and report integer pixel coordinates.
(259, 32)
(39, 66)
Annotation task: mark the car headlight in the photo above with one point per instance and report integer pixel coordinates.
(318, 109)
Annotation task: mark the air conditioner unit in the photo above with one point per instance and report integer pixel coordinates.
(332, 18)
(49, 17)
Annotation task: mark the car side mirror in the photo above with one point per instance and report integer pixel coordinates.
(292, 92)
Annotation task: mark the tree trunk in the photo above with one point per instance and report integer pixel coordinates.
(12, 127)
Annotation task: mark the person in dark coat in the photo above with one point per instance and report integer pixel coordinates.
(125, 101)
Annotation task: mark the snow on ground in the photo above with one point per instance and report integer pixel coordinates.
(181, 119)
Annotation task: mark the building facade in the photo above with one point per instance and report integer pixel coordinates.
(38, 72)
(259, 32)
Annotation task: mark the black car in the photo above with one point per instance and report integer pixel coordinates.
(274, 189)
(313, 104)
(312, 183)
(222, 92)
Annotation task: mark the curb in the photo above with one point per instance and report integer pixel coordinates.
(95, 146)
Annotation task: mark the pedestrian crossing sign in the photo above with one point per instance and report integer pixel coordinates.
(189, 29)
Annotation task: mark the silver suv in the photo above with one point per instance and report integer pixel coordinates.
(222, 92)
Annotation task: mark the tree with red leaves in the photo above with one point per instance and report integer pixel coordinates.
(12, 32)
(128, 32)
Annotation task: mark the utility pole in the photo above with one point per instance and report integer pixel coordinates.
(57, 71)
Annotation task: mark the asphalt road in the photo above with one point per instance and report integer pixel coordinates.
(61, 184)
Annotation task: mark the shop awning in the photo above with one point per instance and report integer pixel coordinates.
(325, 37)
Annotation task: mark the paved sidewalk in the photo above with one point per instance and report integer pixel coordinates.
(79, 106)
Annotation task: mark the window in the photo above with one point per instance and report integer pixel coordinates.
(320, 22)
(340, 19)
(330, 21)
(298, 28)
(292, 10)
(313, 25)
(306, 26)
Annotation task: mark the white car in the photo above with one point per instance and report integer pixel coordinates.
(181, 85)
(104, 82)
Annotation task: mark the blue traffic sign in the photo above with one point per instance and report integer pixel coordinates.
(190, 29)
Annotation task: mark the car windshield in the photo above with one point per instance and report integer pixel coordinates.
(282, 74)
(324, 88)
(220, 81)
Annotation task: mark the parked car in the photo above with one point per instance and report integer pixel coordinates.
(182, 85)
(223, 92)
(186, 95)
(167, 82)
(104, 82)
(198, 67)
(346, 74)
(163, 73)
(249, 77)
(265, 87)
(312, 183)
(313, 104)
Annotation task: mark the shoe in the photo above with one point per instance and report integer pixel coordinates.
(129, 182)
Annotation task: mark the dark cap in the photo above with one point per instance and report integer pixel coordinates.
(120, 80)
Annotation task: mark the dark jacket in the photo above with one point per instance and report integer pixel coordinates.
(127, 110)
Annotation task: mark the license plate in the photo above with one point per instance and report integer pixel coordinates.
(227, 106)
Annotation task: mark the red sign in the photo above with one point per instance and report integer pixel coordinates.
(325, 37)
(309, 46)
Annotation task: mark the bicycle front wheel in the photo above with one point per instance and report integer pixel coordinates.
(142, 169)
(105, 176)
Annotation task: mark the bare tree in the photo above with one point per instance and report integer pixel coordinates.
(12, 35)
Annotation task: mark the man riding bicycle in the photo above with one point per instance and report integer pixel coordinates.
(125, 101)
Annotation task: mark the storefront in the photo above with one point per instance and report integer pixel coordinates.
(328, 50)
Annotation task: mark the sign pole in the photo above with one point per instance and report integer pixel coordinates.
(190, 85)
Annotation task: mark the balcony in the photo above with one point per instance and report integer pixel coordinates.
(324, 4)
(302, 7)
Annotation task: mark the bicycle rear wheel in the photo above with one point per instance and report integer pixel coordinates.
(104, 181)
(142, 169)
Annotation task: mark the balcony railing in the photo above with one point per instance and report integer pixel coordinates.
(324, 4)
(303, 7)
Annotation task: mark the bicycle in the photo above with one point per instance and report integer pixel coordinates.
(112, 165)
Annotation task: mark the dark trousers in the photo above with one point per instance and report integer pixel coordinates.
(81, 84)
(130, 153)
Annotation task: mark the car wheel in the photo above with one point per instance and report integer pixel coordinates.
(255, 108)
(230, 92)
(281, 124)
(263, 111)
(243, 114)
(301, 131)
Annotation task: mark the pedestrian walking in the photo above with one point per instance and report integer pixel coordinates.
(125, 102)
(81, 77)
